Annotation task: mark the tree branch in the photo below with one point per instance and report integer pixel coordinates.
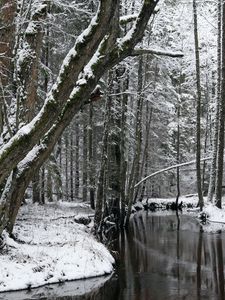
(127, 19)
(170, 168)
(86, 45)
(137, 52)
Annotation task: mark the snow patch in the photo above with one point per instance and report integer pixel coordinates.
(51, 247)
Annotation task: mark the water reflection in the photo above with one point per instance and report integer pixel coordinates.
(170, 258)
(173, 259)
(162, 258)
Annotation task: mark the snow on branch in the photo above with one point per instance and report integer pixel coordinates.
(169, 168)
(83, 50)
(127, 19)
(137, 52)
(135, 34)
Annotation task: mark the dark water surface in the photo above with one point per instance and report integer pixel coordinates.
(161, 259)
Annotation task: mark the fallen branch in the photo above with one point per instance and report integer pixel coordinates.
(170, 168)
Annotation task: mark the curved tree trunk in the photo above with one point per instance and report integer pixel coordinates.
(55, 117)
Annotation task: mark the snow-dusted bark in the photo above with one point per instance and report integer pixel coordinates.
(135, 169)
(220, 159)
(84, 48)
(168, 169)
(198, 109)
(216, 120)
(7, 38)
(68, 95)
(27, 57)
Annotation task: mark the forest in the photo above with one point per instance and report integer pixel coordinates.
(110, 110)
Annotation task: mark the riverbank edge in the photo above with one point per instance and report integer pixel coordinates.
(51, 247)
(211, 218)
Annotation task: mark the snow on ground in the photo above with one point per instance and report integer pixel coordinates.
(215, 221)
(187, 199)
(215, 217)
(51, 247)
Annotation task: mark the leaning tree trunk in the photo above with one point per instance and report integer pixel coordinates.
(55, 116)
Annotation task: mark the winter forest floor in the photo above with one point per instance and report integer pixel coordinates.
(51, 246)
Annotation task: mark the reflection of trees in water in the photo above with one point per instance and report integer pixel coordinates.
(210, 254)
(199, 264)
(163, 259)
(188, 262)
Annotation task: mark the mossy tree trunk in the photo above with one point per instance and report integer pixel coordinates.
(66, 99)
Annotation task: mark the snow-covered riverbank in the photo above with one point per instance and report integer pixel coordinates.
(214, 217)
(51, 247)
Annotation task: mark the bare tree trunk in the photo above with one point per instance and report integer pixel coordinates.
(66, 166)
(178, 154)
(49, 192)
(101, 177)
(7, 38)
(220, 160)
(25, 80)
(216, 117)
(71, 165)
(138, 141)
(85, 162)
(27, 70)
(91, 173)
(36, 188)
(77, 161)
(198, 110)
(144, 167)
(114, 149)
(43, 184)
(123, 167)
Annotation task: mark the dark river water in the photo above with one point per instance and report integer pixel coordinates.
(161, 259)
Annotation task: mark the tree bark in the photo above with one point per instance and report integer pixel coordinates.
(101, 177)
(216, 120)
(220, 160)
(84, 160)
(198, 110)
(91, 173)
(110, 54)
(7, 38)
(138, 142)
(77, 161)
